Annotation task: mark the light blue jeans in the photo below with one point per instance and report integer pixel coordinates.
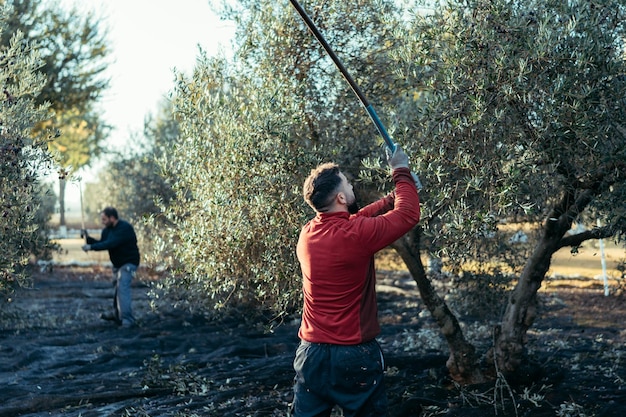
(122, 302)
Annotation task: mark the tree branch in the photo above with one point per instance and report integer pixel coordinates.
(555, 221)
(578, 239)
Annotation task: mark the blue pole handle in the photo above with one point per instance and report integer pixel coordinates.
(381, 128)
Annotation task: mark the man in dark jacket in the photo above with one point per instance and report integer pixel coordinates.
(118, 237)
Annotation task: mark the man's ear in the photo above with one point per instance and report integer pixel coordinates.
(341, 198)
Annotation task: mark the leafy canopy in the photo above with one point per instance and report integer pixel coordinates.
(22, 158)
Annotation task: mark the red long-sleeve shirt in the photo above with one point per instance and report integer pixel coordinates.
(336, 254)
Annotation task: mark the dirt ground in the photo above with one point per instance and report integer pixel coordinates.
(57, 358)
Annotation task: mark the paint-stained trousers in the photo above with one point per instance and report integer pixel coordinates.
(351, 377)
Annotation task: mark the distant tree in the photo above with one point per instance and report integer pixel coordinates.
(23, 159)
(77, 144)
(73, 50)
(133, 181)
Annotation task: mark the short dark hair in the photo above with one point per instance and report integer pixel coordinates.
(110, 212)
(321, 185)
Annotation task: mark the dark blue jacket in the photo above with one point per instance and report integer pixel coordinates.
(120, 241)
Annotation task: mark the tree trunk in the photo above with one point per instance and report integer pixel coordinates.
(462, 363)
(521, 311)
(62, 184)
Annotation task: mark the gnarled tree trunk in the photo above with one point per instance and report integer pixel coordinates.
(462, 364)
(521, 311)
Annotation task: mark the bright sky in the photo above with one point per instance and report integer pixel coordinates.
(149, 38)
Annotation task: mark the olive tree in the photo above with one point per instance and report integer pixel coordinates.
(73, 51)
(521, 109)
(23, 156)
(250, 132)
(231, 172)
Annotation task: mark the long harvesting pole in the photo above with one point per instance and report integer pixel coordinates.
(368, 107)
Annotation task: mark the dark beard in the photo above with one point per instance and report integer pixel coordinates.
(353, 208)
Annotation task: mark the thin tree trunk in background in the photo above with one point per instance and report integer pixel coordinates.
(62, 184)
(462, 364)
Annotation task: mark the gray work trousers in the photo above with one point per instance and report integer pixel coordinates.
(122, 303)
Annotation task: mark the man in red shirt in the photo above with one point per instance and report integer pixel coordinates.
(338, 361)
